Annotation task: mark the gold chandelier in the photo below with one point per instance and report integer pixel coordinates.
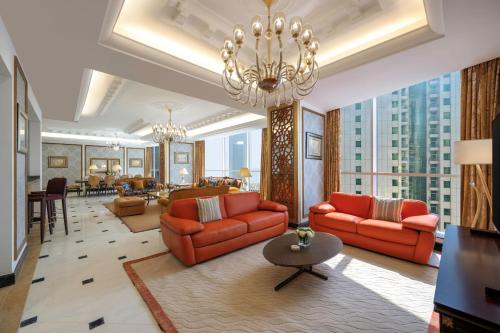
(271, 81)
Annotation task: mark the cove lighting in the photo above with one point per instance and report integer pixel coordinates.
(234, 121)
(98, 87)
(143, 131)
(88, 137)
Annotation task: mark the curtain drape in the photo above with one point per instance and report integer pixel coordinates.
(148, 161)
(332, 152)
(480, 103)
(199, 160)
(265, 174)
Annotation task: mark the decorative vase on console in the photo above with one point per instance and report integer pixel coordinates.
(305, 235)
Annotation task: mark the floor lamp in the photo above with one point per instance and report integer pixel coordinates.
(475, 152)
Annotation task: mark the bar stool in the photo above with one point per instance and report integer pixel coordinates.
(56, 190)
(32, 199)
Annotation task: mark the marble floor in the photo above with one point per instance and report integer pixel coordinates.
(79, 283)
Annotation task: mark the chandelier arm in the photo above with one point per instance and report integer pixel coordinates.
(299, 61)
(278, 74)
(236, 65)
(228, 80)
(310, 73)
(313, 77)
(257, 61)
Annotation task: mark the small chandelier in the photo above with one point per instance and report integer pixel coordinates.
(115, 144)
(271, 81)
(168, 132)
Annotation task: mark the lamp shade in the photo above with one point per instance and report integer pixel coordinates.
(467, 152)
(116, 168)
(245, 172)
(183, 172)
(93, 167)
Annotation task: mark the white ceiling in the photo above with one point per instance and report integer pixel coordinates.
(58, 40)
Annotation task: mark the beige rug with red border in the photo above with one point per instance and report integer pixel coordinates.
(144, 222)
(366, 292)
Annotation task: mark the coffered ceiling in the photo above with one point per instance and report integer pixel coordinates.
(152, 51)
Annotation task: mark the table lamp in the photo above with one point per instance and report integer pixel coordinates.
(183, 172)
(116, 169)
(92, 168)
(475, 152)
(245, 173)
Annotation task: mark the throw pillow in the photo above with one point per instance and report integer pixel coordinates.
(138, 185)
(212, 182)
(151, 184)
(208, 209)
(236, 183)
(387, 209)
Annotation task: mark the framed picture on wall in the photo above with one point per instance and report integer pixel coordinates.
(135, 162)
(101, 163)
(58, 161)
(181, 158)
(111, 162)
(22, 131)
(314, 146)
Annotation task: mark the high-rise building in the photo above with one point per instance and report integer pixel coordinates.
(400, 145)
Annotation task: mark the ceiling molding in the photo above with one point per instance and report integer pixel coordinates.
(214, 119)
(113, 90)
(82, 95)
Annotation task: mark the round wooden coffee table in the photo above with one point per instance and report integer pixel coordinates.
(324, 246)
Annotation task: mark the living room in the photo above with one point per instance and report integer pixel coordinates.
(206, 166)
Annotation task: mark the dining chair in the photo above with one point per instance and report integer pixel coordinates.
(109, 182)
(94, 184)
(56, 190)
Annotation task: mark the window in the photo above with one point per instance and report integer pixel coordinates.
(358, 144)
(226, 155)
(358, 106)
(155, 170)
(358, 119)
(446, 212)
(415, 165)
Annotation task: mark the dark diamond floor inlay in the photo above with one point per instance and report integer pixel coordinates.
(144, 242)
(96, 323)
(122, 257)
(38, 280)
(110, 242)
(28, 321)
(87, 281)
(48, 241)
(79, 241)
(99, 222)
(44, 256)
(83, 257)
(76, 230)
(104, 230)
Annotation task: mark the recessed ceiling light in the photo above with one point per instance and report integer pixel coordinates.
(230, 122)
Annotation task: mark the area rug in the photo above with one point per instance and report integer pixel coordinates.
(366, 292)
(138, 223)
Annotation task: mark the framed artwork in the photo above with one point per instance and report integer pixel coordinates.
(111, 162)
(101, 163)
(22, 131)
(181, 158)
(58, 162)
(314, 146)
(135, 162)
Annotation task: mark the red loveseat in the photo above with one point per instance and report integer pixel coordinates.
(348, 216)
(245, 220)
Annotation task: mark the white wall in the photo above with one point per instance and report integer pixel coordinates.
(35, 147)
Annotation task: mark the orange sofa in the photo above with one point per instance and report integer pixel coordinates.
(245, 220)
(348, 216)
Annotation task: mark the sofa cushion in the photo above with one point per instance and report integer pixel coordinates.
(339, 221)
(387, 231)
(188, 208)
(387, 209)
(208, 209)
(261, 219)
(352, 204)
(241, 203)
(413, 208)
(219, 231)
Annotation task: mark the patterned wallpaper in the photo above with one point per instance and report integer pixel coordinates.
(103, 152)
(313, 169)
(175, 168)
(135, 153)
(72, 152)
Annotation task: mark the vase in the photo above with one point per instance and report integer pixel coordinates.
(305, 241)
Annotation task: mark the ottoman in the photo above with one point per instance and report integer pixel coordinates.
(126, 206)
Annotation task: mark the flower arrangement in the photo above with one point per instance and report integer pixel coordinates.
(305, 235)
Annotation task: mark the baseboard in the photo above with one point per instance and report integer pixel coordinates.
(10, 279)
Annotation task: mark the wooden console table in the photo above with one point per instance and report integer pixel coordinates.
(469, 263)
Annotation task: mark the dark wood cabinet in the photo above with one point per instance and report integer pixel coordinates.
(470, 262)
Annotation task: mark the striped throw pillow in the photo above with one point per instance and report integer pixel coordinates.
(387, 209)
(208, 209)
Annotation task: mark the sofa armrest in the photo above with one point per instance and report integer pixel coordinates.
(272, 206)
(421, 222)
(181, 226)
(322, 208)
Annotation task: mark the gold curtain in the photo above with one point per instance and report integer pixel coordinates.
(480, 103)
(332, 152)
(265, 174)
(199, 160)
(148, 161)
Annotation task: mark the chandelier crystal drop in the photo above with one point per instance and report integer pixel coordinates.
(115, 144)
(169, 132)
(271, 81)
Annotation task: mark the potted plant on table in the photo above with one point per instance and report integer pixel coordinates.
(305, 234)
